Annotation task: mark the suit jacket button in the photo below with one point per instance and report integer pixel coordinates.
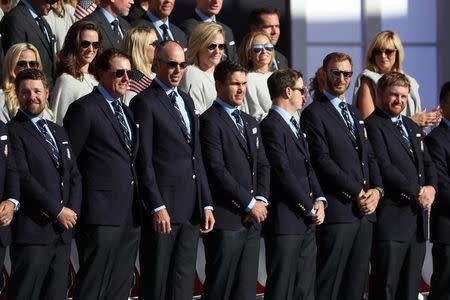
(61, 201)
(362, 164)
(193, 177)
(364, 182)
(193, 157)
(251, 191)
(62, 183)
(132, 182)
(188, 141)
(356, 148)
(420, 175)
(310, 194)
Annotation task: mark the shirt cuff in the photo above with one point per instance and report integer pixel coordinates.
(262, 198)
(250, 205)
(16, 204)
(325, 202)
(59, 212)
(158, 209)
(208, 207)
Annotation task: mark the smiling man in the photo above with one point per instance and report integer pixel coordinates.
(349, 176)
(105, 141)
(411, 184)
(174, 186)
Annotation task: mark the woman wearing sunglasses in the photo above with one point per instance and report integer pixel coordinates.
(385, 54)
(19, 57)
(256, 54)
(75, 67)
(205, 52)
(140, 44)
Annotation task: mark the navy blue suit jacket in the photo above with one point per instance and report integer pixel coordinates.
(294, 185)
(109, 178)
(169, 163)
(9, 179)
(237, 169)
(344, 166)
(403, 173)
(44, 188)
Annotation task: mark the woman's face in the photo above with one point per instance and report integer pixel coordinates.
(89, 45)
(211, 55)
(385, 57)
(261, 52)
(27, 59)
(152, 46)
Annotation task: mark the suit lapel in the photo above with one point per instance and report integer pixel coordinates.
(59, 140)
(110, 35)
(297, 140)
(415, 143)
(230, 124)
(134, 129)
(252, 139)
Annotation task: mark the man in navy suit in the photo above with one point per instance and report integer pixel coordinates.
(297, 201)
(238, 174)
(50, 196)
(157, 17)
(438, 142)
(349, 176)
(9, 194)
(410, 180)
(173, 182)
(108, 16)
(105, 141)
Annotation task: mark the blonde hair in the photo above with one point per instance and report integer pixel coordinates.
(134, 43)
(9, 65)
(246, 46)
(202, 35)
(382, 41)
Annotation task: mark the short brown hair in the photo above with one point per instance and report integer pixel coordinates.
(335, 56)
(280, 80)
(393, 79)
(30, 74)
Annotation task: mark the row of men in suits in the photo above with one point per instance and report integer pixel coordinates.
(25, 23)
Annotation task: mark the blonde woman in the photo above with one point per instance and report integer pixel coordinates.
(19, 57)
(205, 51)
(139, 43)
(60, 19)
(256, 54)
(385, 54)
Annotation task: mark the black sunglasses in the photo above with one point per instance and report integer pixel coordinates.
(213, 46)
(173, 64)
(303, 90)
(86, 44)
(388, 52)
(121, 72)
(259, 47)
(338, 73)
(31, 64)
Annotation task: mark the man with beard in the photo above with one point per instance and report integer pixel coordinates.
(105, 141)
(157, 17)
(109, 18)
(349, 176)
(50, 196)
(173, 185)
(410, 180)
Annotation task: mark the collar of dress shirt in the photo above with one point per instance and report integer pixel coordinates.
(167, 89)
(227, 107)
(107, 96)
(157, 21)
(204, 17)
(283, 113)
(334, 100)
(33, 120)
(30, 8)
(107, 15)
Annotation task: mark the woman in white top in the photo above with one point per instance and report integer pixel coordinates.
(75, 68)
(19, 57)
(256, 54)
(205, 52)
(385, 54)
(139, 43)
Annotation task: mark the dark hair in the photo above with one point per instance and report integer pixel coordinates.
(445, 91)
(69, 59)
(30, 74)
(104, 59)
(225, 68)
(335, 56)
(393, 79)
(280, 80)
(254, 18)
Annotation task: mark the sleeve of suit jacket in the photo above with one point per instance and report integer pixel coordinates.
(12, 32)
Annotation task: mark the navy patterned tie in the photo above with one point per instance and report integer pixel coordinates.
(346, 115)
(399, 126)
(121, 118)
(55, 151)
(240, 125)
(165, 30)
(173, 99)
(116, 29)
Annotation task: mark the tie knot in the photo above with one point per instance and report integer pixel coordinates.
(343, 105)
(164, 27)
(236, 113)
(116, 103)
(115, 23)
(399, 123)
(173, 96)
(41, 123)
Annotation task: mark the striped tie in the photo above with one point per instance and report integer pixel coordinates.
(240, 125)
(346, 115)
(121, 118)
(399, 126)
(55, 151)
(173, 99)
(165, 29)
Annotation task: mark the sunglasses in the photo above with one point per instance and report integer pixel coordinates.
(86, 44)
(338, 73)
(174, 64)
(32, 64)
(154, 43)
(259, 47)
(388, 52)
(213, 46)
(303, 90)
(121, 72)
